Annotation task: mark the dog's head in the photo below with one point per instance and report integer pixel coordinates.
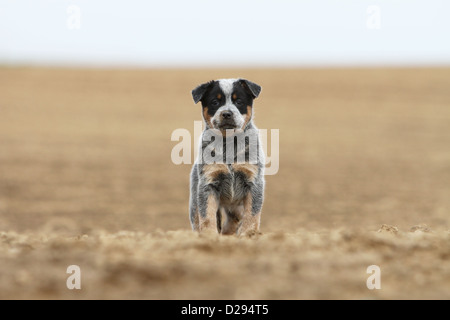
(227, 103)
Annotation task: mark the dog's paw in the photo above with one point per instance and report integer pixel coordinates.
(252, 234)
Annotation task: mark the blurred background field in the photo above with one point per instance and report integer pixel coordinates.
(92, 148)
(87, 179)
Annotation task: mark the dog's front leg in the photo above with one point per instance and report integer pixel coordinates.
(208, 207)
(251, 217)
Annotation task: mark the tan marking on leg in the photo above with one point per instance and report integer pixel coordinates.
(250, 170)
(209, 222)
(231, 224)
(212, 171)
(207, 117)
(250, 222)
(248, 116)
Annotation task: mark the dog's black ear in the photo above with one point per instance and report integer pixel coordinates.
(200, 91)
(252, 87)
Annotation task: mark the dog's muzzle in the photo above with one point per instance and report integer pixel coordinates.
(227, 120)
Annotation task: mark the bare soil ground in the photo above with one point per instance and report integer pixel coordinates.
(86, 179)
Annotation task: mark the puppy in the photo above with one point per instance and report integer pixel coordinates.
(227, 179)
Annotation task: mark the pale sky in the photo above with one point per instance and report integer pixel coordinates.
(225, 33)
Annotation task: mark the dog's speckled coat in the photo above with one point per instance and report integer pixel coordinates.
(232, 187)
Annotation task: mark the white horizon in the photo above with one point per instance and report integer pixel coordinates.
(206, 33)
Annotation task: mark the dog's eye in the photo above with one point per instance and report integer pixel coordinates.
(215, 103)
(239, 103)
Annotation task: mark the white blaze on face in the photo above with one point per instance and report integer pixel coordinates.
(227, 87)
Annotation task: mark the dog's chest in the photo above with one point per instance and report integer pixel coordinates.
(231, 181)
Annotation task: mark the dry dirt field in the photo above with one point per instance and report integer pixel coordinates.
(86, 179)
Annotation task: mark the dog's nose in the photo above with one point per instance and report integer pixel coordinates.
(227, 114)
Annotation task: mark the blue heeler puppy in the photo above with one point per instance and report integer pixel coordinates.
(227, 180)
